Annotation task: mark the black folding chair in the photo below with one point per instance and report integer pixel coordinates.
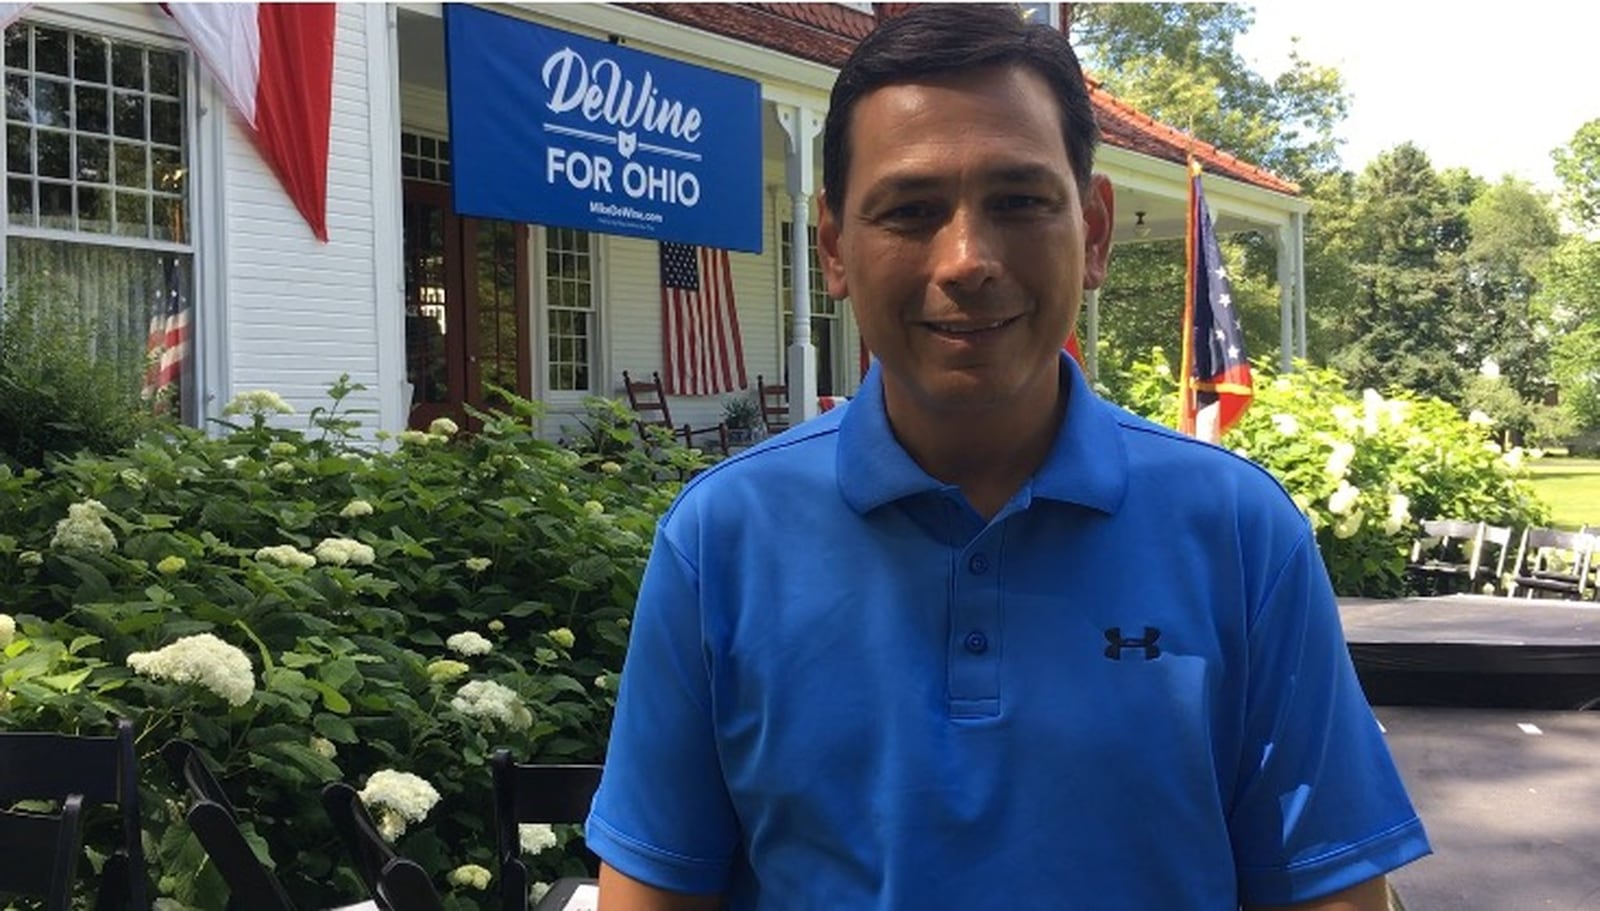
(40, 852)
(252, 886)
(530, 793)
(1554, 562)
(1445, 556)
(396, 884)
(97, 769)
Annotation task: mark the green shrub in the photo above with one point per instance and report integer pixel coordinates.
(362, 588)
(1363, 469)
(57, 396)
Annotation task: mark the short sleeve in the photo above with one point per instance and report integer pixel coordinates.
(1319, 805)
(662, 814)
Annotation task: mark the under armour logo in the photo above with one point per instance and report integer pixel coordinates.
(1118, 643)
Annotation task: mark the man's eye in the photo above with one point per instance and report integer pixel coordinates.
(911, 211)
(1022, 202)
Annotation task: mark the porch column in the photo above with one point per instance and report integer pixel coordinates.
(1091, 333)
(1298, 220)
(1286, 298)
(801, 126)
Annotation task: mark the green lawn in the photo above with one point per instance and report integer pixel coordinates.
(1571, 487)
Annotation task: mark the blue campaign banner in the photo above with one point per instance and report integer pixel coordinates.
(552, 128)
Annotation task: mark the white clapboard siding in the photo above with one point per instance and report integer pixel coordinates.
(301, 312)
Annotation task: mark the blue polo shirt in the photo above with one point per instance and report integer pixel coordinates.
(1129, 690)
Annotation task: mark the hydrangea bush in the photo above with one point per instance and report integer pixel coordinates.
(1364, 469)
(308, 607)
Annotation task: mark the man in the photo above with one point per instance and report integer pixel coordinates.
(979, 639)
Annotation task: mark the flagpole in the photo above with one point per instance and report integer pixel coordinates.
(1185, 390)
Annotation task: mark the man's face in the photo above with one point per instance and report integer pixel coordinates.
(962, 241)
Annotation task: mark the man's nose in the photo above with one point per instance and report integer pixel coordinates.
(966, 252)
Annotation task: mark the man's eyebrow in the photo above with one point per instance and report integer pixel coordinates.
(1011, 174)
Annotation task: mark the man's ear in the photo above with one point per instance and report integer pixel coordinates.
(828, 250)
(1099, 217)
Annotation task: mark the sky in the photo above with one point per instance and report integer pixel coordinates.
(1489, 88)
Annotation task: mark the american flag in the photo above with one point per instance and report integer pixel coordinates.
(167, 343)
(1214, 385)
(701, 347)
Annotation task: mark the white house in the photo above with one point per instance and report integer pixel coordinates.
(133, 182)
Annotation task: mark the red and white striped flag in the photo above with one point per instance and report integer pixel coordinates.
(274, 61)
(701, 346)
(167, 344)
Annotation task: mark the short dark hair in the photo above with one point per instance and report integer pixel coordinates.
(938, 38)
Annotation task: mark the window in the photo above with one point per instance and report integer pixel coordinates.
(826, 329)
(570, 309)
(424, 158)
(97, 195)
(1048, 13)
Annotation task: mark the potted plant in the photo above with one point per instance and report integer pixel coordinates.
(743, 417)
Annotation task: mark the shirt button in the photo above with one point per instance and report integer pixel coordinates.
(979, 564)
(976, 642)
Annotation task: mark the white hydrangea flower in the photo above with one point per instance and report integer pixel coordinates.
(1373, 408)
(469, 643)
(201, 659)
(1339, 460)
(535, 838)
(1287, 424)
(562, 636)
(497, 626)
(1480, 419)
(478, 564)
(283, 469)
(286, 555)
(1343, 499)
(443, 427)
(593, 507)
(602, 682)
(537, 891)
(355, 509)
(1513, 458)
(416, 438)
(171, 565)
(30, 558)
(1399, 514)
(282, 448)
(8, 629)
(84, 528)
(232, 464)
(1397, 411)
(341, 551)
(490, 701)
(611, 468)
(1162, 368)
(324, 747)
(1345, 417)
(1491, 447)
(133, 478)
(445, 670)
(258, 402)
(1348, 526)
(468, 876)
(399, 798)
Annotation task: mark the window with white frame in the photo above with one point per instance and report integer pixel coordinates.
(97, 196)
(570, 310)
(1047, 13)
(827, 332)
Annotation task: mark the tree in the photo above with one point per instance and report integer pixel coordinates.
(1578, 167)
(1512, 229)
(1398, 328)
(1177, 62)
(1569, 298)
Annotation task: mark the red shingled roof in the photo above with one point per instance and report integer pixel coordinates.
(826, 33)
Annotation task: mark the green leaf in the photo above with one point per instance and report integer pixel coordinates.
(334, 728)
(331, 698)
(82, 642)
(66, 683)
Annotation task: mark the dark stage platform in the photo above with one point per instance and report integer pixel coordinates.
(1511, 802)
(1476, 651)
